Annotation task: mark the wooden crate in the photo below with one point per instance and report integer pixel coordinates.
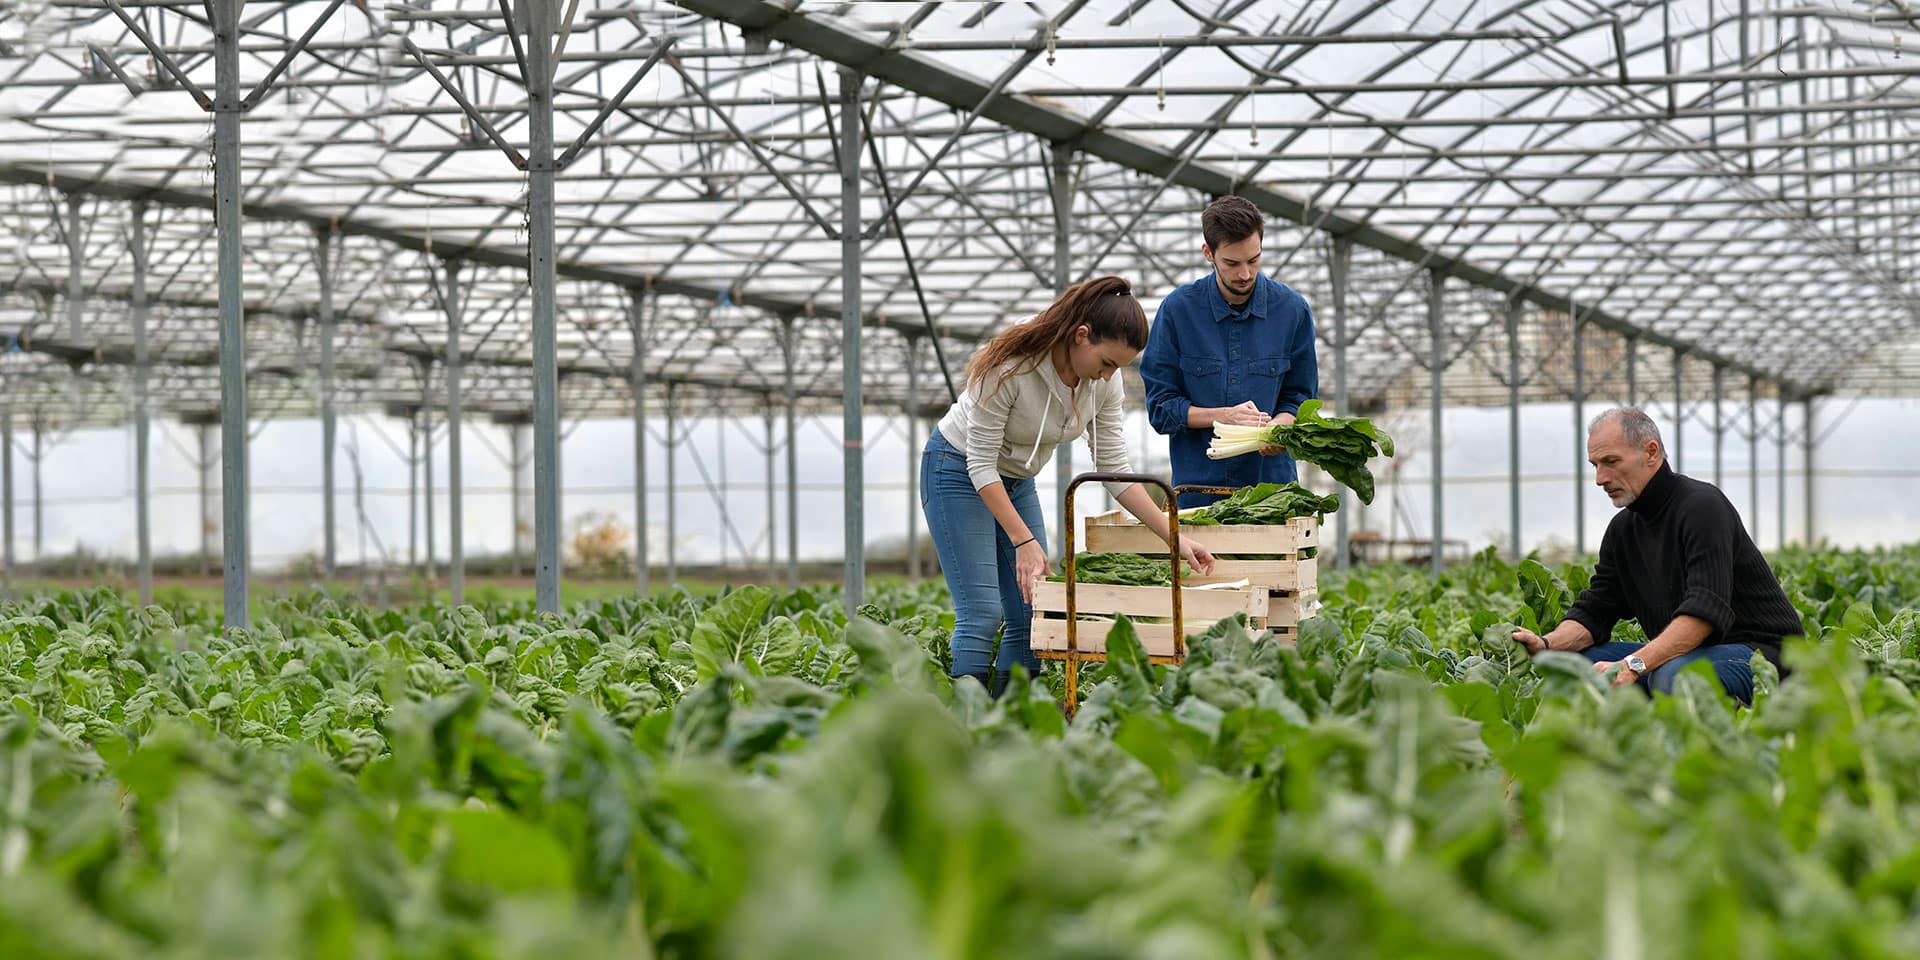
(1050, 638)
(1119, 532)
(1096, 604)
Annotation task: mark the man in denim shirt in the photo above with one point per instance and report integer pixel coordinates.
(1235, 346)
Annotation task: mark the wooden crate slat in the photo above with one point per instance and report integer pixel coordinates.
(1287, 576)
(1049, 637)
(1196, 605)
(1295, 535)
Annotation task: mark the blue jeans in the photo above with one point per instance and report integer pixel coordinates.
(1729, 665)
(977, 558)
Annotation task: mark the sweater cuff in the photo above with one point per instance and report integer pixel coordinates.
(1718, 614)
(1598, 627)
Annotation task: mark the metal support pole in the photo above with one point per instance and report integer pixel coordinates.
(1780, 479)
(1679, 403)
(1719, 425)
(1753, 456)
(1633, 371)
(1513, 424)
(456, 539)
(773, 545)
(793, 455)
(426, 479)
(673, 512)
(540, 271)
(413, 491)
(76, 267)
(913, 457)
(855, 573)
(227, 108)
(1579, 435)
(1062, 157)
(7, 559)
(1339, 268)
(142, 368)
(329, 422)
(39, 492)
(1436, 333)
(1806, 450)
(205, 469)
(637, 382)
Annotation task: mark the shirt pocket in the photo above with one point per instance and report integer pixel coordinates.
(1261, 383)
(1206, 381)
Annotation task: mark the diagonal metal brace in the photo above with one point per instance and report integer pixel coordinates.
(160, 56)
(479, 122)
(610, 106)
(260, 89)
(754, 148)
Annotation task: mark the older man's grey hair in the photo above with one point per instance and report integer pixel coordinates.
(1635, 426)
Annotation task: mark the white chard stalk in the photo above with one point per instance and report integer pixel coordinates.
(1232, 440)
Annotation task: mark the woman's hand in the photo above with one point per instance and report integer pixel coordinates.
(1196, 556)
(1029, 566)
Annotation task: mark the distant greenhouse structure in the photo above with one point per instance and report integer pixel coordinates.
(520, 216)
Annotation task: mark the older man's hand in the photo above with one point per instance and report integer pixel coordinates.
(1534, 642)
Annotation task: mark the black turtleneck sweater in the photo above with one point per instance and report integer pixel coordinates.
(1680, 548)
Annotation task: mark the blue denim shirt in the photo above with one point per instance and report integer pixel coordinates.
(1204, 352)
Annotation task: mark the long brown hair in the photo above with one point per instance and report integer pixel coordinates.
(1104, 304)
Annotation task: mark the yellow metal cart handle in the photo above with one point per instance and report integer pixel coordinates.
(1173, 552)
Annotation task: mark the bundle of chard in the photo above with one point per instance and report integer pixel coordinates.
(1340, 445)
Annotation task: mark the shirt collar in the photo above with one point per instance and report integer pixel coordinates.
(1256, 305)
(1657, 492)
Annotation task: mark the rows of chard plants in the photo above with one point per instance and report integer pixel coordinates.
(752, 775)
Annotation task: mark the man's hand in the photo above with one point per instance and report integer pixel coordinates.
(1534, 642)
(1620, 679)
(1279, 420)
(1245, 414)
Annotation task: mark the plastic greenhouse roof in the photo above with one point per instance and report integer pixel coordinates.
(1730, 187)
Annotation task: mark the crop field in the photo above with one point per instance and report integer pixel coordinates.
(753, 776)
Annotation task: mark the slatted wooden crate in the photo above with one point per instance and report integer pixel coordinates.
(1097, 603)
(1278, 595)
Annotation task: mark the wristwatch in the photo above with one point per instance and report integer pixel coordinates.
(1637, 665)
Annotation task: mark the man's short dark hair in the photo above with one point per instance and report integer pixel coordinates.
(1230, 219)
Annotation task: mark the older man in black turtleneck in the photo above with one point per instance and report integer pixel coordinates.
(1678, 560)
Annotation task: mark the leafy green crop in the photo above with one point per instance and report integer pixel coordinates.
(1124, 569)
(752, 775)
(1263, 503)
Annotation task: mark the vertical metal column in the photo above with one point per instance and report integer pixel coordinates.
(142, 362)
(39, 491)
(773, 488)
(329, 423)
(76, 267)
(540, 275)
(456, 305)
(673, 512)
(855, 572)
(1679, 404)
(1062, 171)
(413, 491)
(1753, 456)
(426, 476)
(913, 457)
(1436, 334)
(1633, 371)
(233, 343)
(1780, 479)
(1806, 450)
(7, 560)
(1338, 270)
(1579, 433)
(787, 344)
(1513, 424)
(1719, 425)
(637, 382)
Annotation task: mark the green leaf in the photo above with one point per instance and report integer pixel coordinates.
(725, 632)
